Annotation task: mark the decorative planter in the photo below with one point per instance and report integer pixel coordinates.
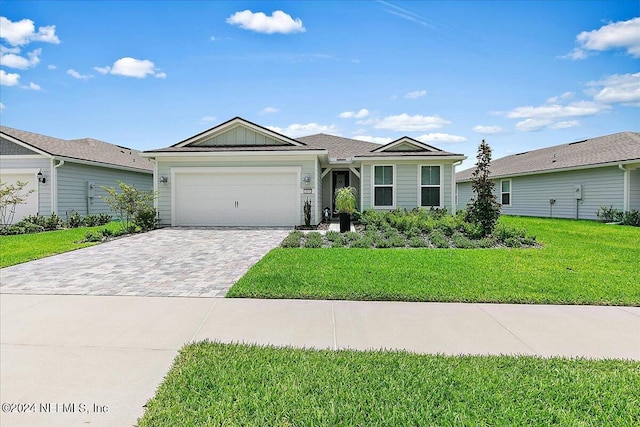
(345, 222)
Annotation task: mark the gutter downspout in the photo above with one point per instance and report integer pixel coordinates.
(54, 185)
(155, 186)
(625, 197)
(453, 186)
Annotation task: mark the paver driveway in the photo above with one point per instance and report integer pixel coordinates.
(166, 262)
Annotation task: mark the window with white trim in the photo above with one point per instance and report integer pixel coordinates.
(383, 185)
(430, 186)
(505, 192)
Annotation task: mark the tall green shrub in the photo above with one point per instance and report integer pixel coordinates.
(483, 209)
(132, 206)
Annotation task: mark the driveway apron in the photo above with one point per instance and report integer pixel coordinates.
(183, 262)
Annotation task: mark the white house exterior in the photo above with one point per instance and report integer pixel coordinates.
(566, 181)
(242, 174)
(71, 172)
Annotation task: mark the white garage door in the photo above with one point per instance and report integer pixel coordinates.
(236, 197)
(29, 208)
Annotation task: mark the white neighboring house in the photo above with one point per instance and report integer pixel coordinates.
(566, 181)
(67, 175)
(242, 174)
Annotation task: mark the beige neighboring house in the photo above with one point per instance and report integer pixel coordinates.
(242, 174)
(67, 175)
(566, 181)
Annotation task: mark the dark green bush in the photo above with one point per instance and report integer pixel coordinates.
(313, 240)
(512, 242)
(292, 240)
(74, 220)
(418, 242)
(53, 222)
(333, 236)
(461, 241)
(93, 236)
(363, 242)
(438, 239)
(631, 217)
(609, 214)
(145, 218)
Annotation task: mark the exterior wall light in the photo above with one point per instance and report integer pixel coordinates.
(164, 179)
(41, 178)
(306, 179)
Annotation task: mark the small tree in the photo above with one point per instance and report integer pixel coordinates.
(132, 206)
(11, 195)
(484, 208)
(307, 212)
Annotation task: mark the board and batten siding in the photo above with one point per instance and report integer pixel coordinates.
(239, 136)
(72, 187)
(164, 165)
(35, 164)
(8, 148)
(407, 183)
(530, 194)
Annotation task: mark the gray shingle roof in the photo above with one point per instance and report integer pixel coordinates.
(230, 148)
(337, 146)
(617, 147)
(87, 149)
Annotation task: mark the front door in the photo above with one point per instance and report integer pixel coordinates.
(340, 180)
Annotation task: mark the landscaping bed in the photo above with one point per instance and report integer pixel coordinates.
(418, 228)
(213, 384)
(580, 262)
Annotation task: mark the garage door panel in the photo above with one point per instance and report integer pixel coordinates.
(236, 198)
(31, 205)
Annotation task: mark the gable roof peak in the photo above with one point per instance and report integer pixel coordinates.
(420, 146)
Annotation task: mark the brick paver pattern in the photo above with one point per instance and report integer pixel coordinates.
(184, 262)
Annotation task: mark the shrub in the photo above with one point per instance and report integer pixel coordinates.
(351, 236)
(35, 220)
(292, 240)
(631, 217)
(438, 239)
(363, 242)
(74, 220)
(461, 241)
(413, 232)
(313, 240)
(418, 242)
(609, 214)
(337, 244)
(104, 218)
(471, 230)
(503, 232)
(372, 219)
(53, 222)
(333, 236)
(448, 225)
(129, 203)
(307, 212)
(145, 218)
(382, 243)
(93, 236)
(512, 242)
(398, 241)
(21, 228)
(485, 242)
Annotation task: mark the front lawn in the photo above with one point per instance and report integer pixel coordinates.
(214, 384)
(21, 248)
(581, 262)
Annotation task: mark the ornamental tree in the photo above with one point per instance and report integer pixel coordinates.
(483, 209)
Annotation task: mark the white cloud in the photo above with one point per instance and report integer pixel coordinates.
(406, 123)
(487, 130)
(12, 60)
(208, 119)
(563, 97)
(565, 124)
(269, 110)
(555, 111)
(76, 75)
(615, 35)
(376, 139)
(440, 137)
(532, 125)
(618, 89)
(278, 22)
(2, 107)
(415, 94)
(296, 129)
(131, 67)
(354, 114)
(51, 67)
(9, 79)
(34, 86)
(23, 32)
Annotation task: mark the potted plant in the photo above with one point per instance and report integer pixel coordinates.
(346, 205)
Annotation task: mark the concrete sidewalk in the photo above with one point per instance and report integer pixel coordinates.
(97, 359)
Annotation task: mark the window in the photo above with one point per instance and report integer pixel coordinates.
(383, 186)
(505, 192)
(430, 186)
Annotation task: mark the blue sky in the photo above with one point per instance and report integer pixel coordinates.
(521, 75)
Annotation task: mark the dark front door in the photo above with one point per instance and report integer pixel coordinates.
(340, 180)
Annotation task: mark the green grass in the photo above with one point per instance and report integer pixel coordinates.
(27, 247)
(215, 384)
(581, 262)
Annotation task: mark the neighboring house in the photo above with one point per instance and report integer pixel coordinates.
(66, 176)
(240, 173)
(566, 181)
